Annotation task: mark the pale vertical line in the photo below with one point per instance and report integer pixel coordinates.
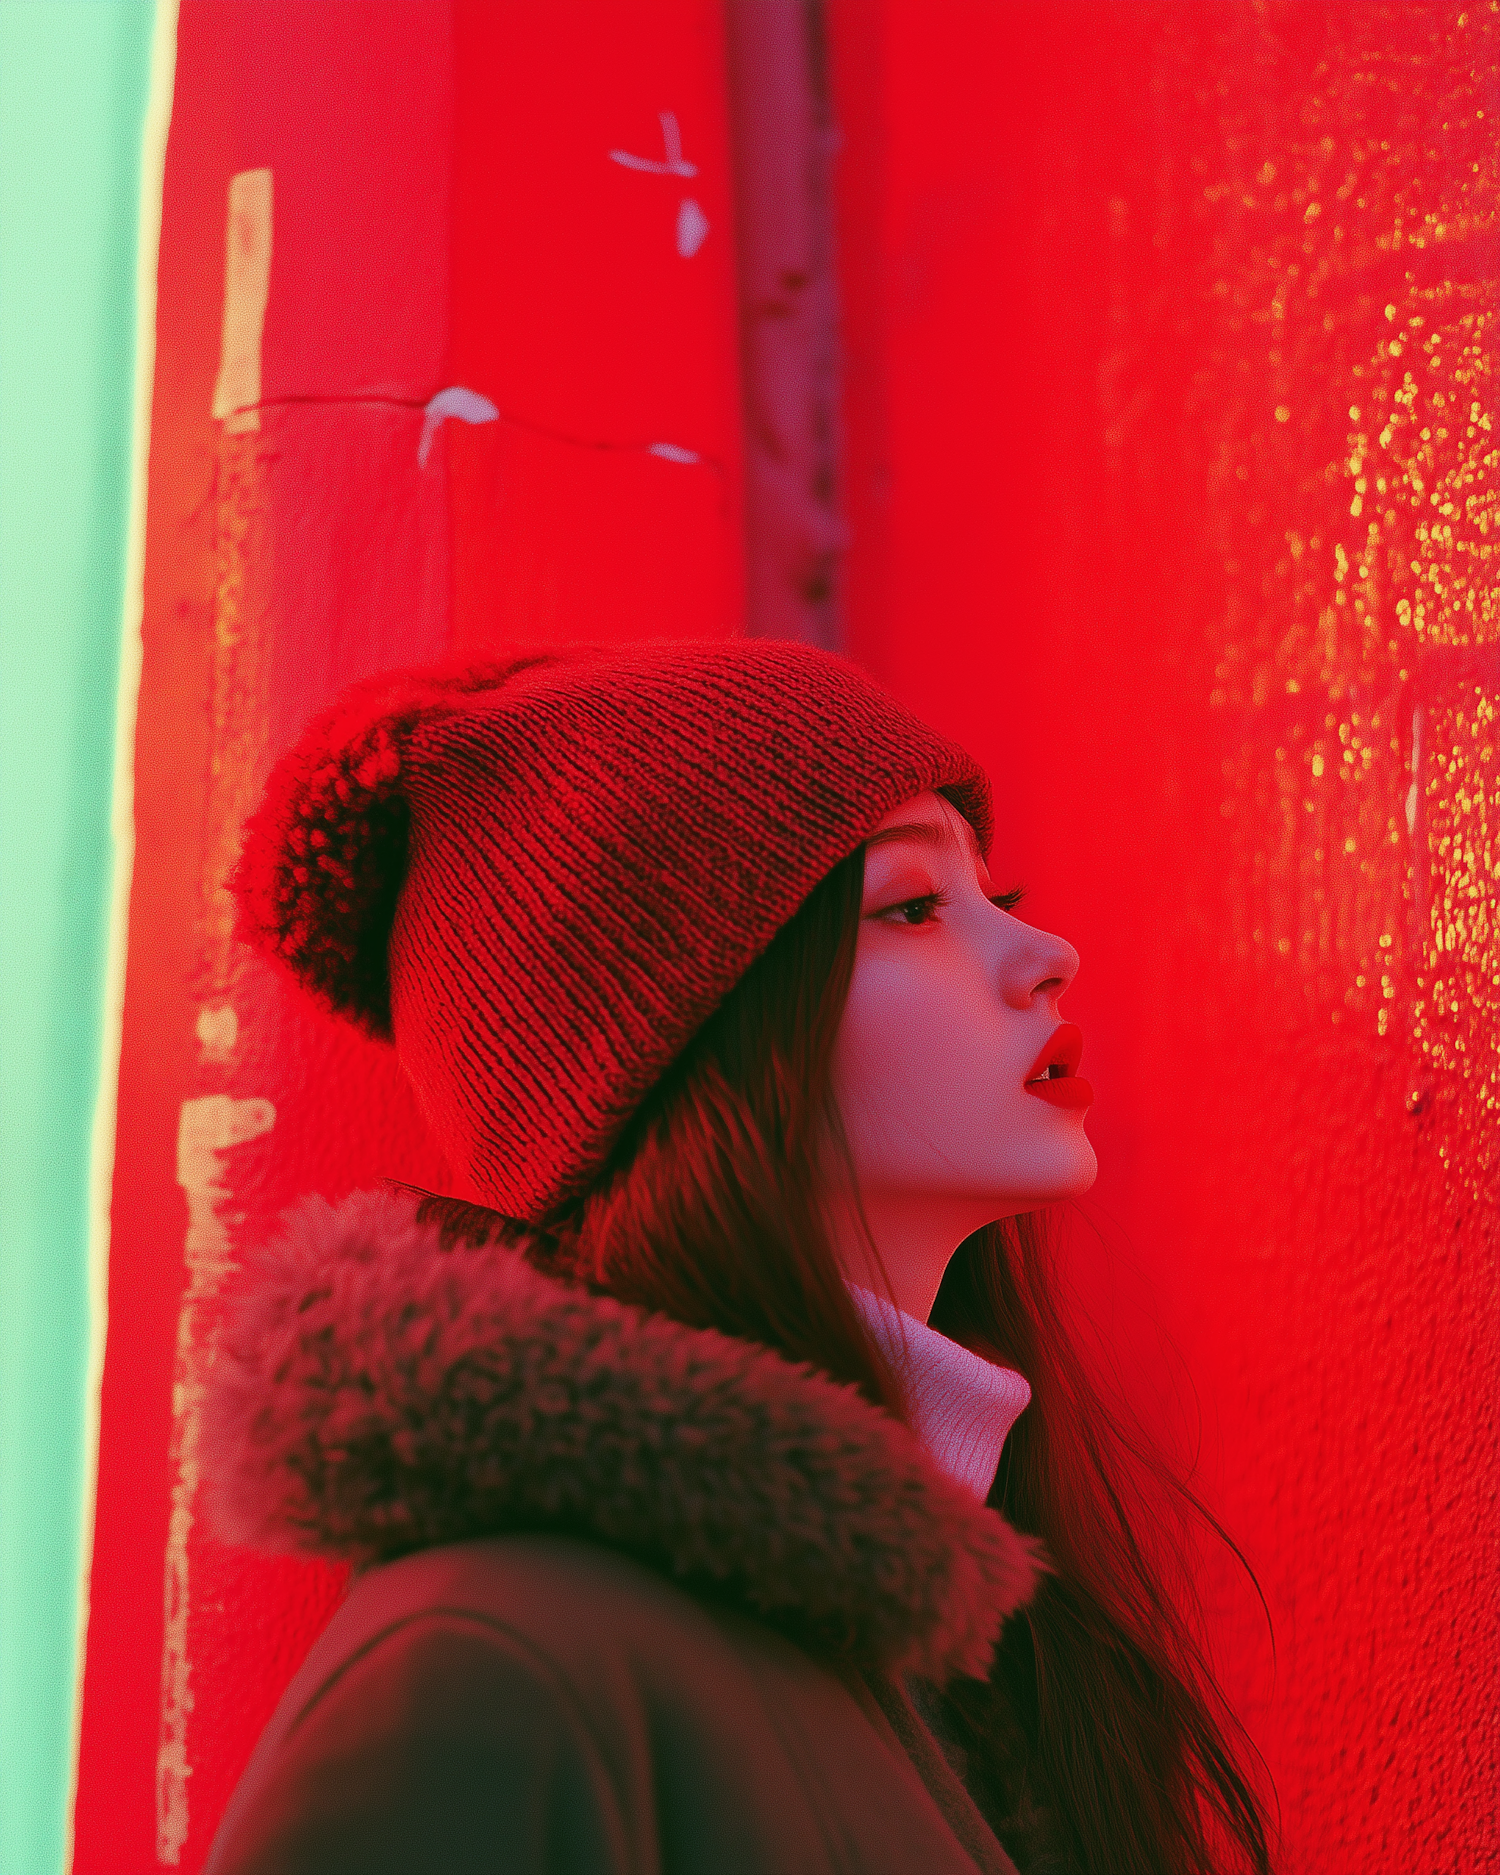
(247, 287)
(207, 1127)
(211, 1123)
(154, 130)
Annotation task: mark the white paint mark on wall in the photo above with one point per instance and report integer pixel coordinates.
(218, 1030)
(673, 452)
(692, 223)
(207, 1128)
(692, 228)
(457, 401)
(247, 282)
(671, 138)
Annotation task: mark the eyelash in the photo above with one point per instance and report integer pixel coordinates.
(1007, 901)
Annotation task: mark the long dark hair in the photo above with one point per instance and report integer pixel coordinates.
(710, 1211)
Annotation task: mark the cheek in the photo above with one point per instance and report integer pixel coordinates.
(912, 1040)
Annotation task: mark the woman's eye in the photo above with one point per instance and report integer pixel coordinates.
(914, 912)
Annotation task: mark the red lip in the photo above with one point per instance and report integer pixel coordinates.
(1064, 1046)
(1054, 1075)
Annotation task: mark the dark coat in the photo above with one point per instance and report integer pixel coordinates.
(663, 1601)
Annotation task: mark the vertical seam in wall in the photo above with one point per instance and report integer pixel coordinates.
(154, 129)
(781, 147)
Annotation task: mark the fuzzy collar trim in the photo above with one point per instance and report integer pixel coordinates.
(375, 1393)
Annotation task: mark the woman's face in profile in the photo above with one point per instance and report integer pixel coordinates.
(953, 1006)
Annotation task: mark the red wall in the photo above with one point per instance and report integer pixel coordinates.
(576, 312)
(1123, 292)
(445, 212)
(262, 547)
(1114, 281)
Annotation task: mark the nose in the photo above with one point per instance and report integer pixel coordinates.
(1042, 965)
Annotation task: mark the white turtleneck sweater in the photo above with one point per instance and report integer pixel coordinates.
(962, 1406)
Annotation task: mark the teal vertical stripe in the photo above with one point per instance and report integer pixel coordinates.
(73, 90)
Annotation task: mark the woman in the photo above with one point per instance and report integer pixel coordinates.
(693, 1442)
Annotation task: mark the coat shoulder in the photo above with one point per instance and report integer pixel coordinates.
(680, 1733)
(560, 1594)
(631, 1651)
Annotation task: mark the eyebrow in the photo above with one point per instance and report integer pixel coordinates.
(925, 833)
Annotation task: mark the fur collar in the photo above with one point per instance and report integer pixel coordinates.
(374, 1393)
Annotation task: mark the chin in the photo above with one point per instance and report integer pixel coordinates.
(1065, 1173)
(1085, 1165)
(1084, 1173)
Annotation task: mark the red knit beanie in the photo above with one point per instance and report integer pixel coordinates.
(538, 874)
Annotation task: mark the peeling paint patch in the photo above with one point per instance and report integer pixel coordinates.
(247, 284)
(671, 138)
(217, 1030)
(692, 228)
(673, 452)
(207, 1127)
(457, 401)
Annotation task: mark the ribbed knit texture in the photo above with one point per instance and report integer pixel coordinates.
(540, 873)
(962, 1406)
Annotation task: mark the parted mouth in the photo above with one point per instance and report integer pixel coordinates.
(1061, 1056)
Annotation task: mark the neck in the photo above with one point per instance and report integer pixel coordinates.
(961, 1406)
(915, 1235)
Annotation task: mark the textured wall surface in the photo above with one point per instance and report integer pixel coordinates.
(1172, 482)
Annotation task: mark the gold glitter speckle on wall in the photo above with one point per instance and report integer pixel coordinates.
(1358, 655)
